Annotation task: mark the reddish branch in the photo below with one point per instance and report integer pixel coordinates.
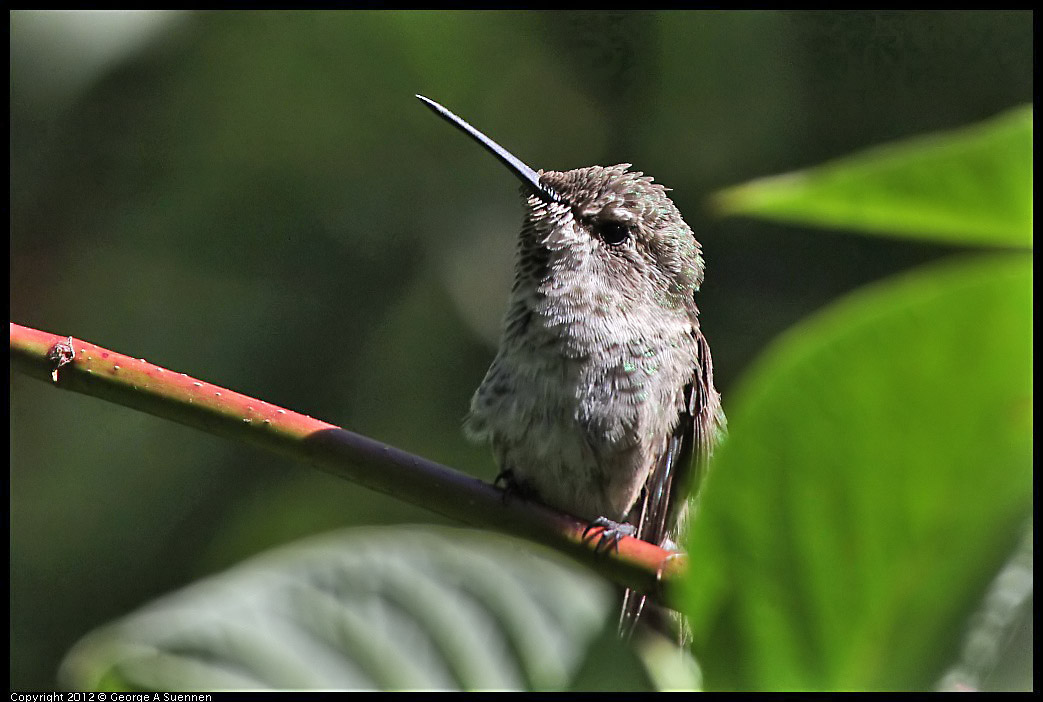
(134, 382)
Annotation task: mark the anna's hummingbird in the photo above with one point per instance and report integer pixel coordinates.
(600, 401)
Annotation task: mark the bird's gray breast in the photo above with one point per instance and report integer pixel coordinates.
(585, 389)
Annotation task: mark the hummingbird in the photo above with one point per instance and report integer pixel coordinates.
(600, 401)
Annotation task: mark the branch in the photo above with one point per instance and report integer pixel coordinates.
(79, 366)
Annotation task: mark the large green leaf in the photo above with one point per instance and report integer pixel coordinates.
(394, 608)
(878, 472)
(972, 185)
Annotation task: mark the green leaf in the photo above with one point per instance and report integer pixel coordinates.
(967, 186)
(877, 474)
(402, 608)
(997, 647)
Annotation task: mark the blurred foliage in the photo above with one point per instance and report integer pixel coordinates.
(997, 649)
(870, 430)
(394, 608)
(892, 459)
(257, 199)
(974, 186)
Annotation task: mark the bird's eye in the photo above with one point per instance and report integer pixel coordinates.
(613, 233)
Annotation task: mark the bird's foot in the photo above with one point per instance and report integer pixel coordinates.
(611, 533)
(511, 487)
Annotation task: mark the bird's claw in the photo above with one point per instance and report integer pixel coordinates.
(511, 487)
(611, 533)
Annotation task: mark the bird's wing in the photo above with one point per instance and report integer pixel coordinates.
(679, 469)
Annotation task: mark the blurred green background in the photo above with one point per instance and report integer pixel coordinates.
(257, 199)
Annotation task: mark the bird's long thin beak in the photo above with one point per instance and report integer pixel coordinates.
(526, 174)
